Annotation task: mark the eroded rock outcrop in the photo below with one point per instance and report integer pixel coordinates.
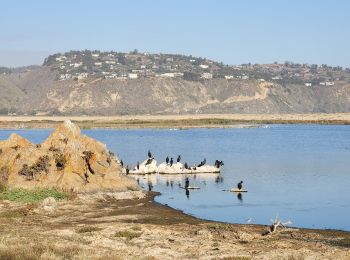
(67, 160)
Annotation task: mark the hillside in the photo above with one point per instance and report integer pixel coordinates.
(176, 85)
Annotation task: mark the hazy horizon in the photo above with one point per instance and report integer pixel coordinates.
(312, 32)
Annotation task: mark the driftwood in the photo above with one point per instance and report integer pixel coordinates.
(277, 223)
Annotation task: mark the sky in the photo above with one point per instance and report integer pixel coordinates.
(231, 31)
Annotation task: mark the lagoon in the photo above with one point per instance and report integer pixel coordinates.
(297, 172)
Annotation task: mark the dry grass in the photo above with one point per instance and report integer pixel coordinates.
(185, 121)
(43, 251)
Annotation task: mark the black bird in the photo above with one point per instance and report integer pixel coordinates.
(178, 158)
(121, 163)
(187, 183)
(149, 154)
(240, 185)
(167, 160)
(202, 163)
(171, 161)
(127, 170)
(138, 166)
(149, 160)
(218, 163)
(186, 166)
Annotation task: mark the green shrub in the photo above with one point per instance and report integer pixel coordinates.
(35, 195)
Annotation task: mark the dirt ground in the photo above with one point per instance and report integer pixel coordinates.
(181, 121)
(105, 228)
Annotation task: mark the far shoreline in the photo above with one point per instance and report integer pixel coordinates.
(174, 121)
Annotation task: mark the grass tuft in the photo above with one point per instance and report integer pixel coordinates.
(30, 196)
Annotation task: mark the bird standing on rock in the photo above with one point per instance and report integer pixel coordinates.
(149, 154)
(171, 161)
(240, 185)
(178, 158)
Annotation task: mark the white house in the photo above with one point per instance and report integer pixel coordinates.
(203, 66)
(133, 76)
(98, 63)
(329, 83)
(110, 62)
(229, 77)
(206, 75)
(167, 75)
(308, 84)
(77, 65)
(81, 75)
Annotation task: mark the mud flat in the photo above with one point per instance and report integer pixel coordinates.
(97, 227)
(174, 121)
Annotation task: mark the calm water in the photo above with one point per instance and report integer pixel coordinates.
(298, 172)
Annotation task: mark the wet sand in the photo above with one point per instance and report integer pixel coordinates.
(133, 229)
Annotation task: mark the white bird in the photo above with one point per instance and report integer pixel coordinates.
(249, 220)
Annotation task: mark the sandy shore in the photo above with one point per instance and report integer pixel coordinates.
(105, 228)
(180, 121)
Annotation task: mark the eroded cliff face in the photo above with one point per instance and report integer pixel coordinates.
(37, 92)
(67, 160)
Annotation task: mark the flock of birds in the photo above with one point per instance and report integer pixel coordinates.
(170, 161)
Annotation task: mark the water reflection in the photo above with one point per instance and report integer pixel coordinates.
(240, 197)
(187, 193)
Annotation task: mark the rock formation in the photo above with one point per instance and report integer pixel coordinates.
(67, 160)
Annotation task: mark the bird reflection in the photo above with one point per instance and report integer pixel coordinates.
(150, 186)
(219, 179)
(171, 184)
(240, 197)
(187, 194)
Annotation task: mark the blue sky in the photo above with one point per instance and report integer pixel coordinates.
(232, 31)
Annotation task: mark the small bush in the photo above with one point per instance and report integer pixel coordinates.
(127, 234)
(88, 229)
(219, 226)
(344, 242)
(60, 161)
(24, 195)
(41, 165)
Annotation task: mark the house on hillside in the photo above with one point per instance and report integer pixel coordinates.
(329, 83)
(206, 75)
(133, 76)
(167, 75)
